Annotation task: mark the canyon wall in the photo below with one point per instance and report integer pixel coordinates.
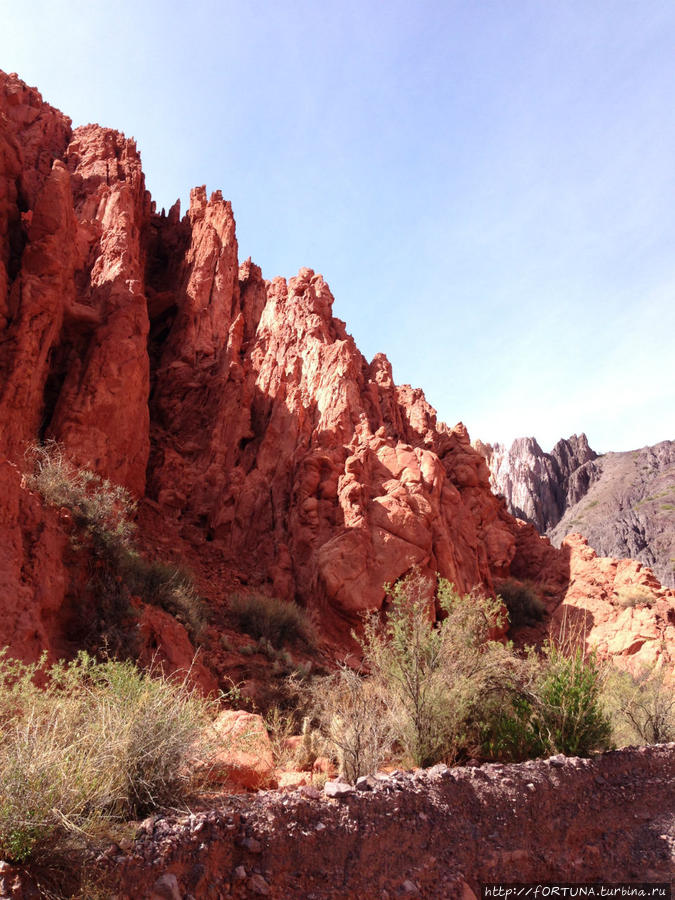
(237, 410)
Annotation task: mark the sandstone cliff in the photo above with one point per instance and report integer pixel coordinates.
(623, 503)
(261, 444)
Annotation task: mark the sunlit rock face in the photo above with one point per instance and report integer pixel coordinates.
(239, 411)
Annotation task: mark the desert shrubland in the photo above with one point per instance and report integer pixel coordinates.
(99, 743)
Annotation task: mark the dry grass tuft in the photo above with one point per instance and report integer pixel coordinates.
(101, 743)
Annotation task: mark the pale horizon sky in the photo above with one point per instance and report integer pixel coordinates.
(488, 187)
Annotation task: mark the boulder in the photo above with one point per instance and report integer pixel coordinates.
(244, 755)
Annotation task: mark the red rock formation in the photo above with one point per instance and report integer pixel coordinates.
(34, 579)
(299, 458)
(73, 355)
(270, 445)
(634, 637)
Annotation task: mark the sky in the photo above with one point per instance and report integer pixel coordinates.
(488, 186)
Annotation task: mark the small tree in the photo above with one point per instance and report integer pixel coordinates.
(439, 677)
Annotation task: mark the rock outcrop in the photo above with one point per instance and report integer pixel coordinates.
(137, 341)
(629, 508)
(239, 411)
(624, 503)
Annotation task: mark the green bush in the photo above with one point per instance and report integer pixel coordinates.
(270, 619)
(565, 697)
(99, 744)
(439, 679)
(522, 601)
(454, 692)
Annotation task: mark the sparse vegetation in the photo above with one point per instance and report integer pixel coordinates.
(438, 678)
(633, 595)
(453, 692)
(269, 619)
(102, 513)
(100, 743)
(165, 585)
(100, 509)
(355, 720)
(642, 706)
(522, 600)
(281, 727)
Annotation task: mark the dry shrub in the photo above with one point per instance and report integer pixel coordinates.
(101, 509)
(453, 692)
(281, 726)
(633, 595)
(355, 720)
(99, 744)
(440, 679)
(168, 586)
(641, 706)
(273, 620)
(103, 512)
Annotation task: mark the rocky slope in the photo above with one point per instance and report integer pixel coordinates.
(629, 509)
(438, 834)
(623, 503)
(262, 446)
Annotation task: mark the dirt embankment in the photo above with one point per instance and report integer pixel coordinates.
(437, 833)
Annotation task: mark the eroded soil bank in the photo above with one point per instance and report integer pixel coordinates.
(437, 833)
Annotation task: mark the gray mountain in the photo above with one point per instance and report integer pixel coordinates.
(624, 503)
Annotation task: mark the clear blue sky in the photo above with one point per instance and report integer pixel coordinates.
(487, 185)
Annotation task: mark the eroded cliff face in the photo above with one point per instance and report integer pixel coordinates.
(238, 410)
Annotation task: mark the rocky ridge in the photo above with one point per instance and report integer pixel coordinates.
(623, 503)
(267, 453)
(264, 449)
(438, 834)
